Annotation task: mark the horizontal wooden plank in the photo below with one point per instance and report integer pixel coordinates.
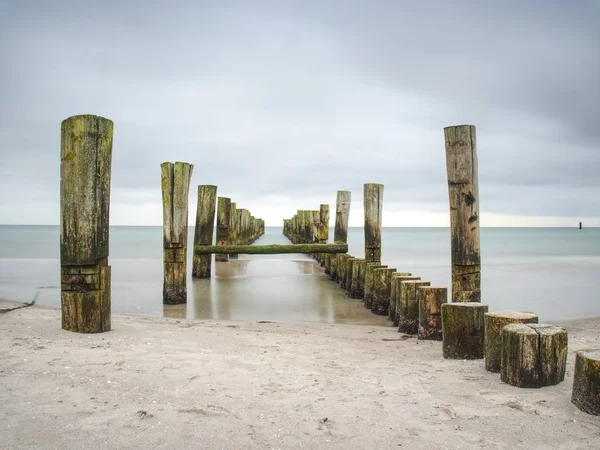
(271, 249)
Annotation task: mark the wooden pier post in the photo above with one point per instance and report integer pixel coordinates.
(463, 330)
(430, 301)
(369, 282)
(408, 317)
(233, 224)
(381, 291)
(357, 286)
(175, 191)
(223, 218)
(342, 215)
(463, 193)
(323, 230)
(373, 205)
(203, 231)
(586, 381)
(395, 289)
(85, 168)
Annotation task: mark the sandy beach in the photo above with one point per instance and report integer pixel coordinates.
(168, 383)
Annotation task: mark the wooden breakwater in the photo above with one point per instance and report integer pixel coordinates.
(525, 353)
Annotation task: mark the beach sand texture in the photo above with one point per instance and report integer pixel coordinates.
(167, 383)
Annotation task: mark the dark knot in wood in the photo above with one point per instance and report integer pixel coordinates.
(468, 198)
(78, 284)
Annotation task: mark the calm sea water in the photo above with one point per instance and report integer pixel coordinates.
(552, 271)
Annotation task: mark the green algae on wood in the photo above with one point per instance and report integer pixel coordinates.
(463, 330)
(463, 193)
(395, 289)
(86, 157)
(370, 282)
(203, 231)
(357, 284)
(408, 317)
(586, 381)
(381, 290)
(430, 300)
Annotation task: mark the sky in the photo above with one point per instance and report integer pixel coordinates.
(283, 103)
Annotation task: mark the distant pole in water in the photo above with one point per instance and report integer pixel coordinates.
(373, 205)
(203, 231)
(463, 193)
(86, 154)
(580, 225)
(175, 192)
(223, 218)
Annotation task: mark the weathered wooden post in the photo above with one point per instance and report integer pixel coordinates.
(586, 381)
(395, 289)
(408, 317)
(370, 282)
(357, 286)
(463, 193)
(381, 291)
(430, 301)
(533, 355)
(373, 205)
(342, 215)
(86, 155)
(463, 330)
(175, 191)
(233, 224)
(223, 218)
(203, 232)
(323, 229)
(494, 323)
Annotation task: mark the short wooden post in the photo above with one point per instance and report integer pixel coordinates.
(333, 267)
(494, 323)
(408, 313)
(373, 205)
(323, 229)
(175, 191)
(233, 224)
(533, 355)
(463, 192)
(369, 282)
(381, 291)
(223, 219)
(395, 293)
(430, 301)
(85, 163)
(203, 231)
(463, 330)
(341, 269)
(586, 382)
(350, 272)
(357, 286)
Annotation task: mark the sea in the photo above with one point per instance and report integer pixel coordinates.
(554, 272)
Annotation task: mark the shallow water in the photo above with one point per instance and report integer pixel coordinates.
(552, 271)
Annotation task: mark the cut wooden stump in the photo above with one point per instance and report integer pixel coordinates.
(408, 316)
(381, 291)
(463, 330)
(494, 323)
(586, 384)
(533, 355)
(430, 301)
(395, 289)
(357, 288)
(369, 281)
(341, 269)
(351, 271)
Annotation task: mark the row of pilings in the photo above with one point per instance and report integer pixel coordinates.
(512, 338)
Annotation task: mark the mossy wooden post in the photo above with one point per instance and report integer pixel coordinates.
(586, 381)
(408, 317)
(323, 230)
(430, 301)
(533, 355)
(232, 239)
(463, 192)
(494, 323)
(463, 330)
(85, 165)
(373, 205)
(203, 232)
(381, 291)
(342, 215)
(351, 271)
(223, 219)
(175, 192)
(341, 269)
(395, 289)
(369, 282)
(357, 287)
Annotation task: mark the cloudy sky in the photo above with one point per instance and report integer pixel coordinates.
(282, 103)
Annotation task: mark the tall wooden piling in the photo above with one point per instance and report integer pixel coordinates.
(373, 205)
(463, 192)
(342, 215)
(233, 228)
(203, 232)
(223, 219)
(323, 229)
(85, 168)
(175, 191)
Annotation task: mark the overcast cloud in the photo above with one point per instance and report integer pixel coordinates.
(282, 103)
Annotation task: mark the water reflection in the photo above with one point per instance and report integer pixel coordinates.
(175, 311)
(275, 290)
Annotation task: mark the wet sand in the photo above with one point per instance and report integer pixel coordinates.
(186, 384)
